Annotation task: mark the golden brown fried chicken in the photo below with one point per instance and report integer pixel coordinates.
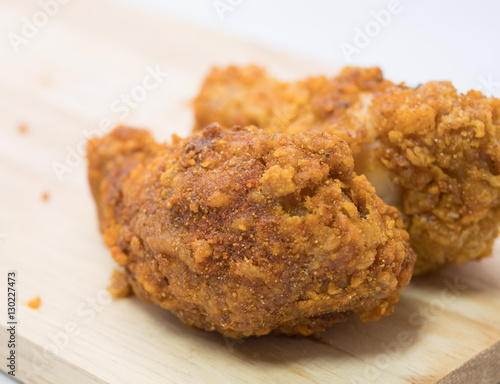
(443, 150)
(246, 233)
(429, 151)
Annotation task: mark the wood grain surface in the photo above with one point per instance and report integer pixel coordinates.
(69, 80)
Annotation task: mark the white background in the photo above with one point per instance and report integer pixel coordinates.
(425, 40)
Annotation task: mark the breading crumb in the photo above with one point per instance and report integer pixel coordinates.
(22, 129)
(119, 286)
(45, 196)
(34, 303)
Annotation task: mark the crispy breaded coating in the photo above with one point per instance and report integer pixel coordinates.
(249, 96)
(431, 152)
(245, 233)
(119, 285)
(443, 150)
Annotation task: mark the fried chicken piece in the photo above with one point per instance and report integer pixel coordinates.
(430, 152)
(443, 150)
(245, 233)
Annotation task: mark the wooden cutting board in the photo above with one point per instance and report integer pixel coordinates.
(66, 80)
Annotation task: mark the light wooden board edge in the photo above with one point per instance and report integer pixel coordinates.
(483, 368)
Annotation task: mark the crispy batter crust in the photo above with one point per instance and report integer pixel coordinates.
(119, 286)
(443, 150)
(249, 96)
(439, 150)
(246, 233)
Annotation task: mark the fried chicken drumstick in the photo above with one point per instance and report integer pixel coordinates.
(246, 233)
(432, 152)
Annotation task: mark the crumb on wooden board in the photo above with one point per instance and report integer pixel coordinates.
(22, 129)
(45, 196)
(35, 303)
